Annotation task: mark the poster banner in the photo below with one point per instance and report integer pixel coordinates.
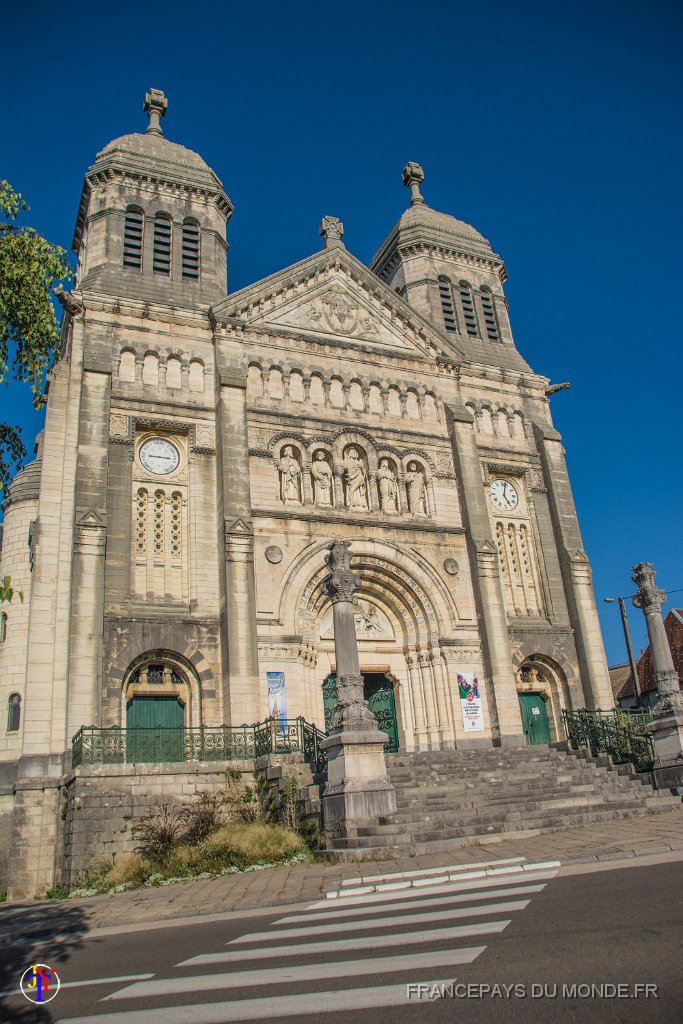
(470, 702)
(277, 701)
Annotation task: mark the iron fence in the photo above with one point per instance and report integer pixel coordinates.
(606, 732)
(112, 745)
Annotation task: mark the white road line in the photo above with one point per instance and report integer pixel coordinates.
(342, 945)
(407, 894)
(448, 914)
(300, 973)
(89, 981)
(417, 902)
(270, 1009)
(396, 875)
(441, 875)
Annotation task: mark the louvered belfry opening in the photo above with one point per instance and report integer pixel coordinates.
(490, 319)
(161, 262)
(468, 310)
(447, 307)
(132, 238)
(190, 260)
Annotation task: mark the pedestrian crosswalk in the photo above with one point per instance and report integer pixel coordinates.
(363, 943)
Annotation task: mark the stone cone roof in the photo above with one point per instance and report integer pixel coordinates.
(26, 484)
(149, 153)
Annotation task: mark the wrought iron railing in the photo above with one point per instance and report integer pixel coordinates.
(97, 745)
(604, 732)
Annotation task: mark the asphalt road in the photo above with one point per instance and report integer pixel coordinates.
(503, 949)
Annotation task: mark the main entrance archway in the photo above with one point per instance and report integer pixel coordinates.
(379, 693)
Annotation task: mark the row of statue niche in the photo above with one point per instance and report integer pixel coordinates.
(355, 482)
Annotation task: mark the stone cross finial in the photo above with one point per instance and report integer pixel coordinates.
(413, 175)
(155, 106)
(332, 229)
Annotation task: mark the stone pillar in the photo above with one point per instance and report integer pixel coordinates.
(486, 580)
(358, 790)
(241, 688)
(667, 714)
(576, 571)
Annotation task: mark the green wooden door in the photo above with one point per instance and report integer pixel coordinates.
(154, 730)
(379, 693)
(534, 718)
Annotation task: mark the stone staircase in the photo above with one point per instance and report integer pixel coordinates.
(447, 799)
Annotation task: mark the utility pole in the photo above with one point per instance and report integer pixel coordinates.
(629, 647)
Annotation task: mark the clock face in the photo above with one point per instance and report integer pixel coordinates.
(504, 495)
(159, 456)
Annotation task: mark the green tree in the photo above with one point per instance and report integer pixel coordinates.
(29, 330)
(6, 592)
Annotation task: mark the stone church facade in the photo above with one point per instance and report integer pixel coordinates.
(201, 450)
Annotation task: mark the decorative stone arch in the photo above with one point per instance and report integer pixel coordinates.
(426, 607)
(543, 675)
(193, 666)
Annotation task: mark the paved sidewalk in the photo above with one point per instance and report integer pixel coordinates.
(614, 840)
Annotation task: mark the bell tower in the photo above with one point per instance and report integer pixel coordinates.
(152, 218)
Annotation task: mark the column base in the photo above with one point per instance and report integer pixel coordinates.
(358, 789)
(667, 734)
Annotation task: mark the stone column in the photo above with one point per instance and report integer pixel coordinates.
(667, 714)
(242, 697)
(486, 579)
(358, 789)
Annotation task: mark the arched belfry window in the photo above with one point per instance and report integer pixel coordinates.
(132, 237)
(447, 307)
(468, 310)
(13, 712)
(490, 318)
(191, 250)
(3, 627)
(161, 261)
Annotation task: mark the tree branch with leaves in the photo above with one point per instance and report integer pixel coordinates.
(30, 267)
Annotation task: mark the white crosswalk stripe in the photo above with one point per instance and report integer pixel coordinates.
(337, 929)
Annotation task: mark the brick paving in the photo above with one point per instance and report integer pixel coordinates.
(614, 840)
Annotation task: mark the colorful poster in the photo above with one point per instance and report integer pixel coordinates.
(470, 702)
(277, 702)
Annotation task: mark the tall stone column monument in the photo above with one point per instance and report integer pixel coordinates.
(667, 714)
(358, 789)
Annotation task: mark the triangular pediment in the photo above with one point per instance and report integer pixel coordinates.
(332, 297)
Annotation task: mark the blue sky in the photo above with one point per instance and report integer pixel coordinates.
(553, 128)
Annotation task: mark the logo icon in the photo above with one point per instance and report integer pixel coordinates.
(40, 983)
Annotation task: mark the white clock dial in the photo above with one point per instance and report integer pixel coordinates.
(504, 495)
(159, 456)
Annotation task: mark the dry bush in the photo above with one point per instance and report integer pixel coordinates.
(158, 832)
(129, 869)
(243, 844)
(201, 818)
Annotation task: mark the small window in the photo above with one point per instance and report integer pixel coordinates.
(132, 237)
(468, 311)
(13, 712)
(3, 627)
(191, 250)
(447, 307)
(161, 261)
(490, 318)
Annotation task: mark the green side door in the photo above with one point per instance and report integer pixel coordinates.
(534, 718)
(379, 693)
(154, 730)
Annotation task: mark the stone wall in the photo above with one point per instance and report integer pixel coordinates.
(101, 801)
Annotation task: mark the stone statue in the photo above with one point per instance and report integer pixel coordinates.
(356, 485)
(388, 487)
(322, 479)
(290, 476)
(417, 492)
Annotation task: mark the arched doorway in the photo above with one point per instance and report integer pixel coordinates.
(542, 693)
(157, 702)
(378, 691)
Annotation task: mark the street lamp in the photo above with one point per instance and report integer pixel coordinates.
(629, 646)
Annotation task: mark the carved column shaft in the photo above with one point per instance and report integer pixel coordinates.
(351, 710)
(650, 599)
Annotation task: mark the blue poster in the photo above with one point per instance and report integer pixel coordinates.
(277, 702)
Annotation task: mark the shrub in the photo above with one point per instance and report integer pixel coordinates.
(243, 844)
(158, 832)
(202, 818)
(130, 869)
